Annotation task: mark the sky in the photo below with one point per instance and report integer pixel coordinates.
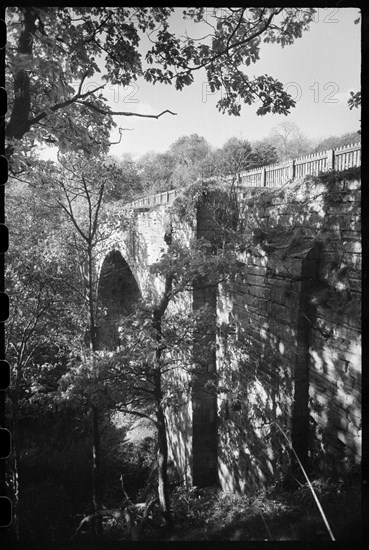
(319, 70)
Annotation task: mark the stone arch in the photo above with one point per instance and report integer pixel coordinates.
(117, 294)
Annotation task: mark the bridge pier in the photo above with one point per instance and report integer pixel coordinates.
(204, 399)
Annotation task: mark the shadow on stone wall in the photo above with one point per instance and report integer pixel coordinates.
(289, 336)
(255, 396)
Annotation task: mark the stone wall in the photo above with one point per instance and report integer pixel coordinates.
(289, 335)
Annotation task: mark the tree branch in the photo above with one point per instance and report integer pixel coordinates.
(73, 219)
(62, 104)
(97, 209)
(236, 28)
(121, 130)
(121, 113)
(232, 46)
(137, 413)
(100, 513)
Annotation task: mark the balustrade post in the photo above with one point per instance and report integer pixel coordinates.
(330, 159)
(293, 169)
(263, 176)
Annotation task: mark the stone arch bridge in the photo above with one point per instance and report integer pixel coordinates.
(292, 359)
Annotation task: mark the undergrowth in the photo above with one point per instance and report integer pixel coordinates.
(274, 514)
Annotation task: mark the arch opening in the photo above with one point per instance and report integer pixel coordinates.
(117, 294)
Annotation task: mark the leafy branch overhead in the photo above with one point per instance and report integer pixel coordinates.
(232, 44)
(52, 53)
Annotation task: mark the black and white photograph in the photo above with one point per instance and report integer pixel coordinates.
(182, 353)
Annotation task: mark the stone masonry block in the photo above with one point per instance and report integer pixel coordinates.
(289, 266)
(260, 292)
(256, 270)
(283, 296)
(353, 247)
(283, 282)
(250, 299)
(256, 280)
(279, 311)
(348, 235)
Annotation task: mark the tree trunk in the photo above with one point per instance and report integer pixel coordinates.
(96, 474)
(19, 119)
(15, 445)
(162, 455)
(96, 480)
